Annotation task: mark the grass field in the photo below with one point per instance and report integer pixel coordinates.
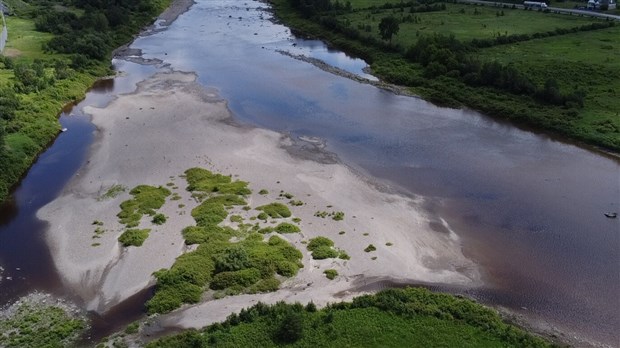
(24, 41)
(467, 22)
(590, 57)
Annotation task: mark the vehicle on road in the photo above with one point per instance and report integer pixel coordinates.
(534, 4)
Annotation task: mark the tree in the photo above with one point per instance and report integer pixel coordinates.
(388, 27)
(8, 104)
(291, 328)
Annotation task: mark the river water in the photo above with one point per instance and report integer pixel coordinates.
(528, 208)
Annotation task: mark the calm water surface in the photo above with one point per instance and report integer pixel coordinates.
(23, 252)
(529, 209)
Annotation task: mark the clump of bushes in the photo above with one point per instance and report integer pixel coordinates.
(412, 313)
(331, 274)
(203, 180)
(370, 248)
(134, 237)
(286, 227)
(323, 248)
(275, 210)
(159, 219)
(146, 200)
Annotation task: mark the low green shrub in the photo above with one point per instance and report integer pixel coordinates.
(203, 180)
(242, 278)
(331, 274)
(286, 227)
(370, 248)
(146, 200)
(159, 219)
(275, 210)
(134, 237)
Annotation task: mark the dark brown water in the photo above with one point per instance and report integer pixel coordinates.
(529, 208)
(23, 252)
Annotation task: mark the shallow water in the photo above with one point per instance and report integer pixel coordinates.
(23, 252)
(528, 208)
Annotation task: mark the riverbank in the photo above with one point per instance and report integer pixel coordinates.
(171, 124)
(51, 75)
(488, 38)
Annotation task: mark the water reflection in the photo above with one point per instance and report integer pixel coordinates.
(529, 207)
(23, 252)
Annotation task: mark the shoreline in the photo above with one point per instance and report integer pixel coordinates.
(142, 147)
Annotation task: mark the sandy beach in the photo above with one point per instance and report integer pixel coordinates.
(171, 124)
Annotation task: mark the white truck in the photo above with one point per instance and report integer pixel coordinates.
(534, 4)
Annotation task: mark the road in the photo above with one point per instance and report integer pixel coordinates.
(568, 11)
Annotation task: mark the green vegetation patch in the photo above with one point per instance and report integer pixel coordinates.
(30, 324)
(227, 260)
(286, 227)
(411, 317)
(322, 248)
(335, 215)
(203, 180)
(247, 266)
(331, 274)
(159, 219)
(112, 192)
(146, 200)
(275, 210)
(213, 210)
(370, 248)
(134, 237)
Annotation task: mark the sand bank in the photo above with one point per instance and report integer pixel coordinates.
(171, 124)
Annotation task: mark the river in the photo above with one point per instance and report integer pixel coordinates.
(529, 208)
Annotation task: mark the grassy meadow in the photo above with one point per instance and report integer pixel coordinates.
(574, 57)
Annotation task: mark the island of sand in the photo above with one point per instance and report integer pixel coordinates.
(171, 123)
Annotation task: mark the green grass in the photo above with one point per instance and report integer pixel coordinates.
(286, 227)
(331, 274)
(146, 200)
(134, 237)
(585, 56)
(275, 210)
(393, 318)
(322, 248)
(247, 265)
(38, 325)
(24, 41)
(370, 248)
(112, 192)
(159, 219)
(467, 26)
(203, 180)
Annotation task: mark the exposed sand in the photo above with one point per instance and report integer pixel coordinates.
(171, 124)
